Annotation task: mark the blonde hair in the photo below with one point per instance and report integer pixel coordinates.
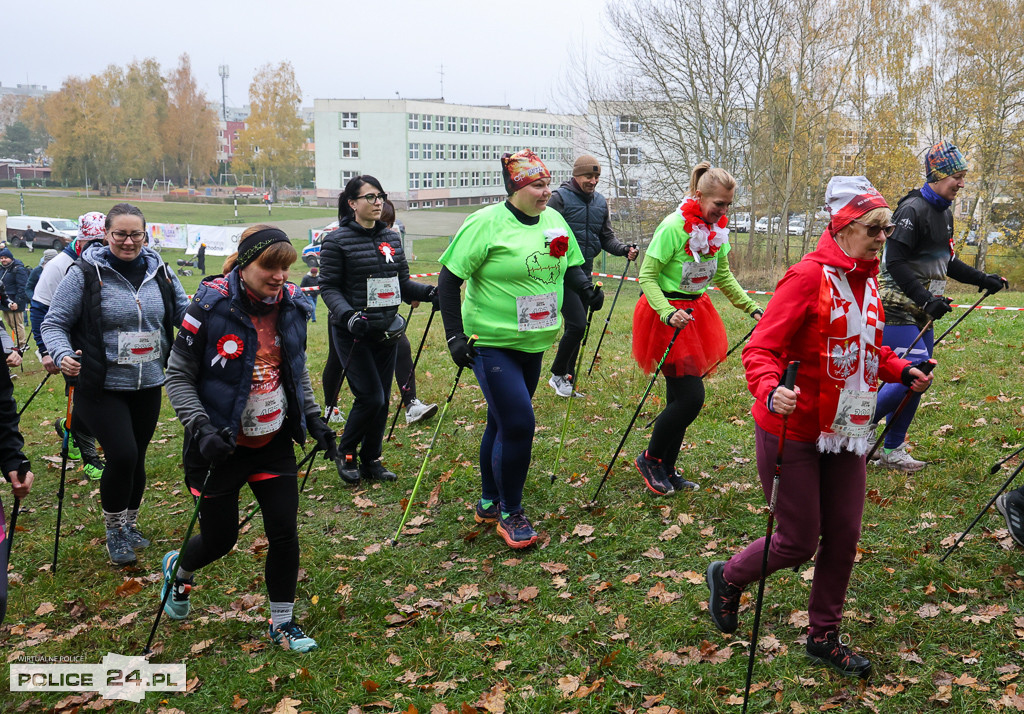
(877, 216)
(704, 177)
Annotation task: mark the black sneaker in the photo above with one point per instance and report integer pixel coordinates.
(654, 474)
(838, 655)
(516, 530)
(375, 471)
(725, 598)
(1011, 505)
(681, 484)
(487, 515)
(348, 468)
(118, 547)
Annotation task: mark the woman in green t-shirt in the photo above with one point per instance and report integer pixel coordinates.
(516, 259)
(689, 252)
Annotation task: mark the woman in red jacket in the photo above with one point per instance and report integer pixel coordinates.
(826, 313)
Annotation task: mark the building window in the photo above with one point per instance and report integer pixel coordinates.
(428, 152)
(452, 124)
(452, 152)
(425, 122)
(439, 203)
(516, 126)
(350, 149)
(629, 155)
(414, 204)
(487, 126)
(533, 129)
(627, 124)
(464, 152)
(627, 187)
(496, 178)
(348, 120)
(438, 123)
(453, 179)
(463, 179)
(440, 179)
(476, 152)
(347, 176)
(414, 181)
(475, 126)
(463, 125)
(414, 151)
(476, 179)
(414, 121)
(428, 180)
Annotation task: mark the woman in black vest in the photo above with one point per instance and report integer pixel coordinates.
(363, 279)
(111, 324)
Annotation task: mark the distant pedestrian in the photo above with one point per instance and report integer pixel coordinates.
(310, 281)
(14, 278)
(30, 238)
(201, 258)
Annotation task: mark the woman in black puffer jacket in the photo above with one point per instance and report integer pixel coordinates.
(363, 279)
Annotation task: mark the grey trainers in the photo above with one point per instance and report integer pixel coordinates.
(135, 538)
(418, 411)
(900, 460)
(563, 386)
(118, 547)
(1011, 505)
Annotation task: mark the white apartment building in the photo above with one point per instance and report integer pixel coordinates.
(427, 153)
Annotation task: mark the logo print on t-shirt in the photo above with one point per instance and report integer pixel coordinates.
(539, 268)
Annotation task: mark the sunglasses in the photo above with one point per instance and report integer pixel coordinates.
(873, 230)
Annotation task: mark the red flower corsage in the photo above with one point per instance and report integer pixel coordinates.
(228, 347)
(705, 241)
(558, 246)
(387, 251)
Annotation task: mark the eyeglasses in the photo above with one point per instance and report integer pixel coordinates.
(874, 230)
(121, 236)
(373, 197)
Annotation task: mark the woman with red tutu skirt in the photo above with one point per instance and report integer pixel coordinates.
(688, 253)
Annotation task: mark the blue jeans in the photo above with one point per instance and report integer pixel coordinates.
(508, 379)
(899, 337)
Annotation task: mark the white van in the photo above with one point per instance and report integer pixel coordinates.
(50, 232)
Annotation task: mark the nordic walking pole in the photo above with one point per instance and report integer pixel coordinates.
(647, 392)
(572, 384)
(308, 457)
(984, 510)
(927, 368)
(607, 318)
(426, 456)
(962, 317)
(996, 466)
(72, 381)
(33, 395)
(927, 326)
(184, 544)
(23, 468)
(788, 380)
(415, 361)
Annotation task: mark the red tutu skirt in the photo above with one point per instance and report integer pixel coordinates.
(699, 345)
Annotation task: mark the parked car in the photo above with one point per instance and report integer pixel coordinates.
(762, 224)
(740, 222)
(50, 232)
(796, 225)
(993, 237)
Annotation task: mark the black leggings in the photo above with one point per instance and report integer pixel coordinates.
(371, 370)
(123, 423)
(574, 316)
(685, 398)
(331, 377)
(218, 530)
(404, 374)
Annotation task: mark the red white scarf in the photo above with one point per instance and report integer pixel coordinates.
(704, 240)
(849, 354)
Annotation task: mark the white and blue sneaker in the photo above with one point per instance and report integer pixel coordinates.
(177, 604)
(290, 636)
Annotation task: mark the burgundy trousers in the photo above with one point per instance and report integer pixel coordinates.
(818, 511)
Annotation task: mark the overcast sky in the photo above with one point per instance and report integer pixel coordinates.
(493, 51)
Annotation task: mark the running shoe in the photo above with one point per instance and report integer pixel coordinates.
(835, 653)
(177, 604)
(291, 637)
(654, 474)
(73, 453)
(724, 602)
(486, 515)
(516, 530)
(375, 471)
(900, 460)
(135, 538)
(118, 547)
(1011, 505)
(418, 411)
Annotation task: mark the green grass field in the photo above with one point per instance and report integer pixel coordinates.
(157, 211)
(607, 614)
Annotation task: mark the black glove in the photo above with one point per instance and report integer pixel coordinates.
(937, 306)
(993, 283)
(758, 313)
(358, 324)
(322, 434)
(434, 296)
(215, 446)
(463, 353)
(593, 297)
(907, 378)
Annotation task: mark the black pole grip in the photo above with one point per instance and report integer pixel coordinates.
(927, 366)
(789, 376)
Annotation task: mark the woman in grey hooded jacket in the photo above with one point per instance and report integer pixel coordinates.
(111, 324)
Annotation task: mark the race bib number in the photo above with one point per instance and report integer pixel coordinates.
(697, 276)
(937, 287)
(264, 412)
(138, 347)
(383, 292)
(853, 416)
(537, 311)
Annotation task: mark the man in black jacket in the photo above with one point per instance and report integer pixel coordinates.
(13, 463)
(586, 212)
(14, 277)
(917, 260)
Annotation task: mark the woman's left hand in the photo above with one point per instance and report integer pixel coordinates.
(921, 380)
(757, 314)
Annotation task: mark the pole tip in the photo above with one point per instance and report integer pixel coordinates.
(394, 542)
(994, 470)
